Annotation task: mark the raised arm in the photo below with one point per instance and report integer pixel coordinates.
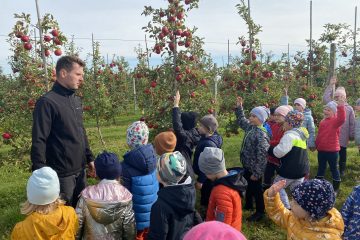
(239, 112)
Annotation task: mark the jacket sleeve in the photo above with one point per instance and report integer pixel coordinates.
(80, 208)
(341, 116)
(158, 223)
(220, 208)
(284, 147)
(241, 120)
(276, 210)
(261, 157)
(129, 229)
(310, 126)
(43, 116)
(177, 124)
(328, 94)
(88, 153)
(126, 178)
(357, 131)
(17, 232)
(347, 211)
(284, 100)
(352, 124)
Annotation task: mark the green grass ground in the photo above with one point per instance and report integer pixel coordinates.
(13, 179)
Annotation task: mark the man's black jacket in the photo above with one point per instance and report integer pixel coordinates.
(58, 136)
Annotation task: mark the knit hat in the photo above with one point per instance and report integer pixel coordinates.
(294, 118)
(261, 112)
(315, 196)
(213, 230)
(332, 105)
(210, 122)
(43, 186)
(357, 102)
(165, 142)
(301, 102)
(171, 167)
(107, 166)
(340, 91)
(137, 134)
(283, 110)
(188, 119)
(211, 160)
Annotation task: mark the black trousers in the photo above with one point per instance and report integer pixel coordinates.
(71, 187)
(342, 159)
(254, 190)
(269, 175)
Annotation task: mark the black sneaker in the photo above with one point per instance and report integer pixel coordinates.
(256, 217)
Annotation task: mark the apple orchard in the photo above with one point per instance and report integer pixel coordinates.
(112, 89)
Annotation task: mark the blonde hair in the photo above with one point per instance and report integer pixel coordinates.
(28, 208)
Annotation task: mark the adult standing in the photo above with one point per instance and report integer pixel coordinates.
(347, 130)
(58, 135)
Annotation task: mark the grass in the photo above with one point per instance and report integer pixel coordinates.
(13, 179)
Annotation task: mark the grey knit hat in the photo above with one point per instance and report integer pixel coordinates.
(210, 122)
(332, 105)
(212, 161)
(358, 102)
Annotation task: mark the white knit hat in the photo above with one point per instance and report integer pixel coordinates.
(301, 102)
(43, 186)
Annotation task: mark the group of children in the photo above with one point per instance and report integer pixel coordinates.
(151, 194)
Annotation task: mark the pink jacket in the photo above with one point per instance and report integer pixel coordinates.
(347, 131)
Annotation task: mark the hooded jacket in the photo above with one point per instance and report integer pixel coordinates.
(186, 138)
(347, 130)
(172, 215)
(62, 223)
(214, 140)
(330, 227)
(139, 177)
(58, 134)
(308, 122)
(292, 152)
(327, 139)
(253, 152)
(105, 212)
(225, 199)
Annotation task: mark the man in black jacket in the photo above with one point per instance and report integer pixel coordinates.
(58, 136)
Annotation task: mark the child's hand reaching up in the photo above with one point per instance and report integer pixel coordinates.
(276, 187)
(239, 101)
(177, 99)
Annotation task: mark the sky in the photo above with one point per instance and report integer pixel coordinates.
(283, 22)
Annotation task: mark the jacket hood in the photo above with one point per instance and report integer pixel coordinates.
(106, 201)
(307, 112)
(302, 132)
(216, 138)
(180, 197)
(234, 180)
(189, 119)
(142, 158)
(60, 222)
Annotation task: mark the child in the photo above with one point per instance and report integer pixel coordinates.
(164, 142)
(312, 215)
(348, 127)
(172, 215)
(209, 138)
(225, 201)
(213, 230)
(308, 123)
(277, 130)
(253, 155)
(327, 141)
(139, 175)
(47, 217)
(357, 124)
(105, 209)
(292, 152)
(184, 125)
(351, 215)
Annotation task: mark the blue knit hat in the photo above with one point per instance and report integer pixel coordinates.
(315, 196)
(108, 166)
(261, 112)
(332, 105)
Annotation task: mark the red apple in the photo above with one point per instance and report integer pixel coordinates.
(147, 91)
(178, 32)
(162, 14)
(177, 69)
(6, 135)
(203, 81)
(165, 30)
(55, 33)
(187, 70)
(161, 35)
(28, 46)
(180, 15)
(179, 77)
(47, 52)
(47, 38)
(210, 111)
(25, 38)
(58, 52)
(192, 94)
(187, 44)
(153, 84)
(171, 46)
(57, 41)
(171, 19)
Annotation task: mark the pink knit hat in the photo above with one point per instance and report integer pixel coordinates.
(283, 110)
(340, 91)
(301, 102)
(213, 230)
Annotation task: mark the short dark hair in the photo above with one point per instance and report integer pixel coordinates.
(66, 62)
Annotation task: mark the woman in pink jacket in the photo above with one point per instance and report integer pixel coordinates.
(327, 140)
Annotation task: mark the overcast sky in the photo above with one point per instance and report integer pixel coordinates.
(283, 22)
